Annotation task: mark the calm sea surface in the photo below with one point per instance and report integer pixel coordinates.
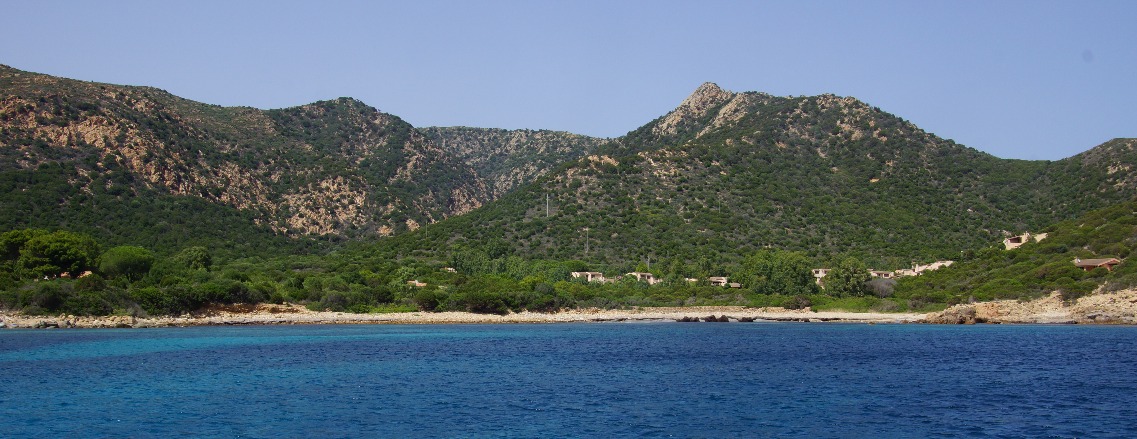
(572, 380)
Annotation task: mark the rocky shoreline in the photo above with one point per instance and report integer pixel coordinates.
(1104, 308)
(1118, 308)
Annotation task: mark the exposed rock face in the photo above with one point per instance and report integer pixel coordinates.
(511, 158)
(696, 107)
(328, 168)
(1119, 307)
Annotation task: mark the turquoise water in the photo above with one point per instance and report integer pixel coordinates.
(572, 380)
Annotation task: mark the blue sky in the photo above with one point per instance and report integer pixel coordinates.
(1017, 79)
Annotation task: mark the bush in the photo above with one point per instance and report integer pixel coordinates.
(48, 296)
(154, 301)
(87, 303)
(798, 302)
(93, 282)
(428, 300)
(485, 302)
(882, 287)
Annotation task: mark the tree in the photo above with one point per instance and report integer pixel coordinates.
(196, 257)
(11, 242)
(58, 253)
(849, 278)
(777, 272)
(128, 261)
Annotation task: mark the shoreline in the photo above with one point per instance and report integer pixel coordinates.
(292, 314)
(1115, 308)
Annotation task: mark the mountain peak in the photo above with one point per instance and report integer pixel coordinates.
(708, 94)
(707, 88)
(698, 104)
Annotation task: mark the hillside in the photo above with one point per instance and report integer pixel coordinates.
(69, 149)
(725, 174)
(508, 159)
(1038, 268)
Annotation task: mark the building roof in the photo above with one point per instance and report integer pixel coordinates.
(1095, 262)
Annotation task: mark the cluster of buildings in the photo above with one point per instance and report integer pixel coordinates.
(916, 270)
(1017, 241)
(723, 281)
(595, 276)
(819, 274)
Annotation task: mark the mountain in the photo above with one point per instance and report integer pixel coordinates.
(719, 177)
(508, 159)
(726, 174)
(332, 168)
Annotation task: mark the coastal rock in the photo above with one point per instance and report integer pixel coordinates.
(1101, 308)
(956, 315)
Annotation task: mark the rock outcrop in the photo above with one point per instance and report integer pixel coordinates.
(1108, 308)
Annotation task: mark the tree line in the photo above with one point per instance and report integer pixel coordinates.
(59, 271)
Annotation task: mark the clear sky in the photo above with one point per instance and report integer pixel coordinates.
(1018, 79)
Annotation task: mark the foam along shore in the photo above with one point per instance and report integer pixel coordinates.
(291, 314)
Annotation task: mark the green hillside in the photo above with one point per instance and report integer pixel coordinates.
(727, 174)
(1040, 267)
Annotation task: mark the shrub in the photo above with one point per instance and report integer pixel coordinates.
(428, 300)
(87, 303)
(485, 302)
(798, 302)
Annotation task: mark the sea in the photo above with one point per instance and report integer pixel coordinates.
(592, 380)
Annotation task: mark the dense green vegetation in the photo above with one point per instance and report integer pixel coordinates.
(65, 272)
(40, 273)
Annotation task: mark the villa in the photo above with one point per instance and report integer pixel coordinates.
(1017, 241)
(645, 277)
(589, 276)
(1091, 264)
(717, 281)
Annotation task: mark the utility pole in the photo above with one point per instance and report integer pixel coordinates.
(586, 242)
(546, 204)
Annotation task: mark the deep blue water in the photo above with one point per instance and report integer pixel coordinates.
(572, 380)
